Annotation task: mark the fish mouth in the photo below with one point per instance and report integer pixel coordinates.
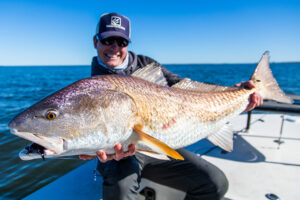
(42, 146)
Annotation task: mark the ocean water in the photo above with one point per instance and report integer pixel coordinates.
(21, 87)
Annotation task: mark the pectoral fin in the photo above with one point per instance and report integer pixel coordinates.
(154, 144)
(223, 138)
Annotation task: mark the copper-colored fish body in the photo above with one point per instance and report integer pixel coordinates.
(96, 113)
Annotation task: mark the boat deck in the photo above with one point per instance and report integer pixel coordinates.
(257, 166)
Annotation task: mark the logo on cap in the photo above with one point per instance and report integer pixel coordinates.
(115, 23)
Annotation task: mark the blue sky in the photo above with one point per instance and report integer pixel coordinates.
(59, 32)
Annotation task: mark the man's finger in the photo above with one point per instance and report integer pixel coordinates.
(258, 99)
(131, 150)
(246, 84)
(250, 84)
(118, 148)
(119, 152)
(102, 156)
(252, 103)
(251, 106)
(110, 157)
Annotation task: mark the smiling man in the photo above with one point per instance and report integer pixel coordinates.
(111, 41)
(122, 171)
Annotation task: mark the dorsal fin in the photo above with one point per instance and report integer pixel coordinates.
(152, 73)
(188, 84)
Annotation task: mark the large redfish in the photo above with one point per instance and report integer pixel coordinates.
(96, 113)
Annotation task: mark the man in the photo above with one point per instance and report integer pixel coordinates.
(122, 171)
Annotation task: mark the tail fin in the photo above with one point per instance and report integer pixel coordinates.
(265, 83)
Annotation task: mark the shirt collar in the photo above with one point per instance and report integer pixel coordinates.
(122, 66)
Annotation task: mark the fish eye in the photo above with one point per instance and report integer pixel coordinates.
(51, 115)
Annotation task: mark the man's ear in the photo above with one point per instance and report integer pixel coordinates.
(95, 41)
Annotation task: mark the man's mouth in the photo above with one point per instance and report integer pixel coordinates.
(114, 56)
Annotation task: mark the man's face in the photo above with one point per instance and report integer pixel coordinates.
(111, 54)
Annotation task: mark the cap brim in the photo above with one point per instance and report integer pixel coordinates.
(113, 34)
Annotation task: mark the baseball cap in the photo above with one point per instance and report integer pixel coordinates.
(112, 25)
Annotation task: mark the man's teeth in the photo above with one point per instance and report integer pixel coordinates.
(112, 55)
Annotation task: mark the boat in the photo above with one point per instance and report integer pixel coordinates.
(265, 162)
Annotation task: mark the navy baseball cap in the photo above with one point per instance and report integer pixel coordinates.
(113, 24)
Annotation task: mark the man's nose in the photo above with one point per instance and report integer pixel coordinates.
(115, 45)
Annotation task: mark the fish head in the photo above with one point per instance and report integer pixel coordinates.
(75, 117)
(44, 123)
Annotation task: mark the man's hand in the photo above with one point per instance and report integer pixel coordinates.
(255, 98)
(118, 155)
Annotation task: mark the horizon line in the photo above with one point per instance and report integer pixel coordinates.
(81, 65)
